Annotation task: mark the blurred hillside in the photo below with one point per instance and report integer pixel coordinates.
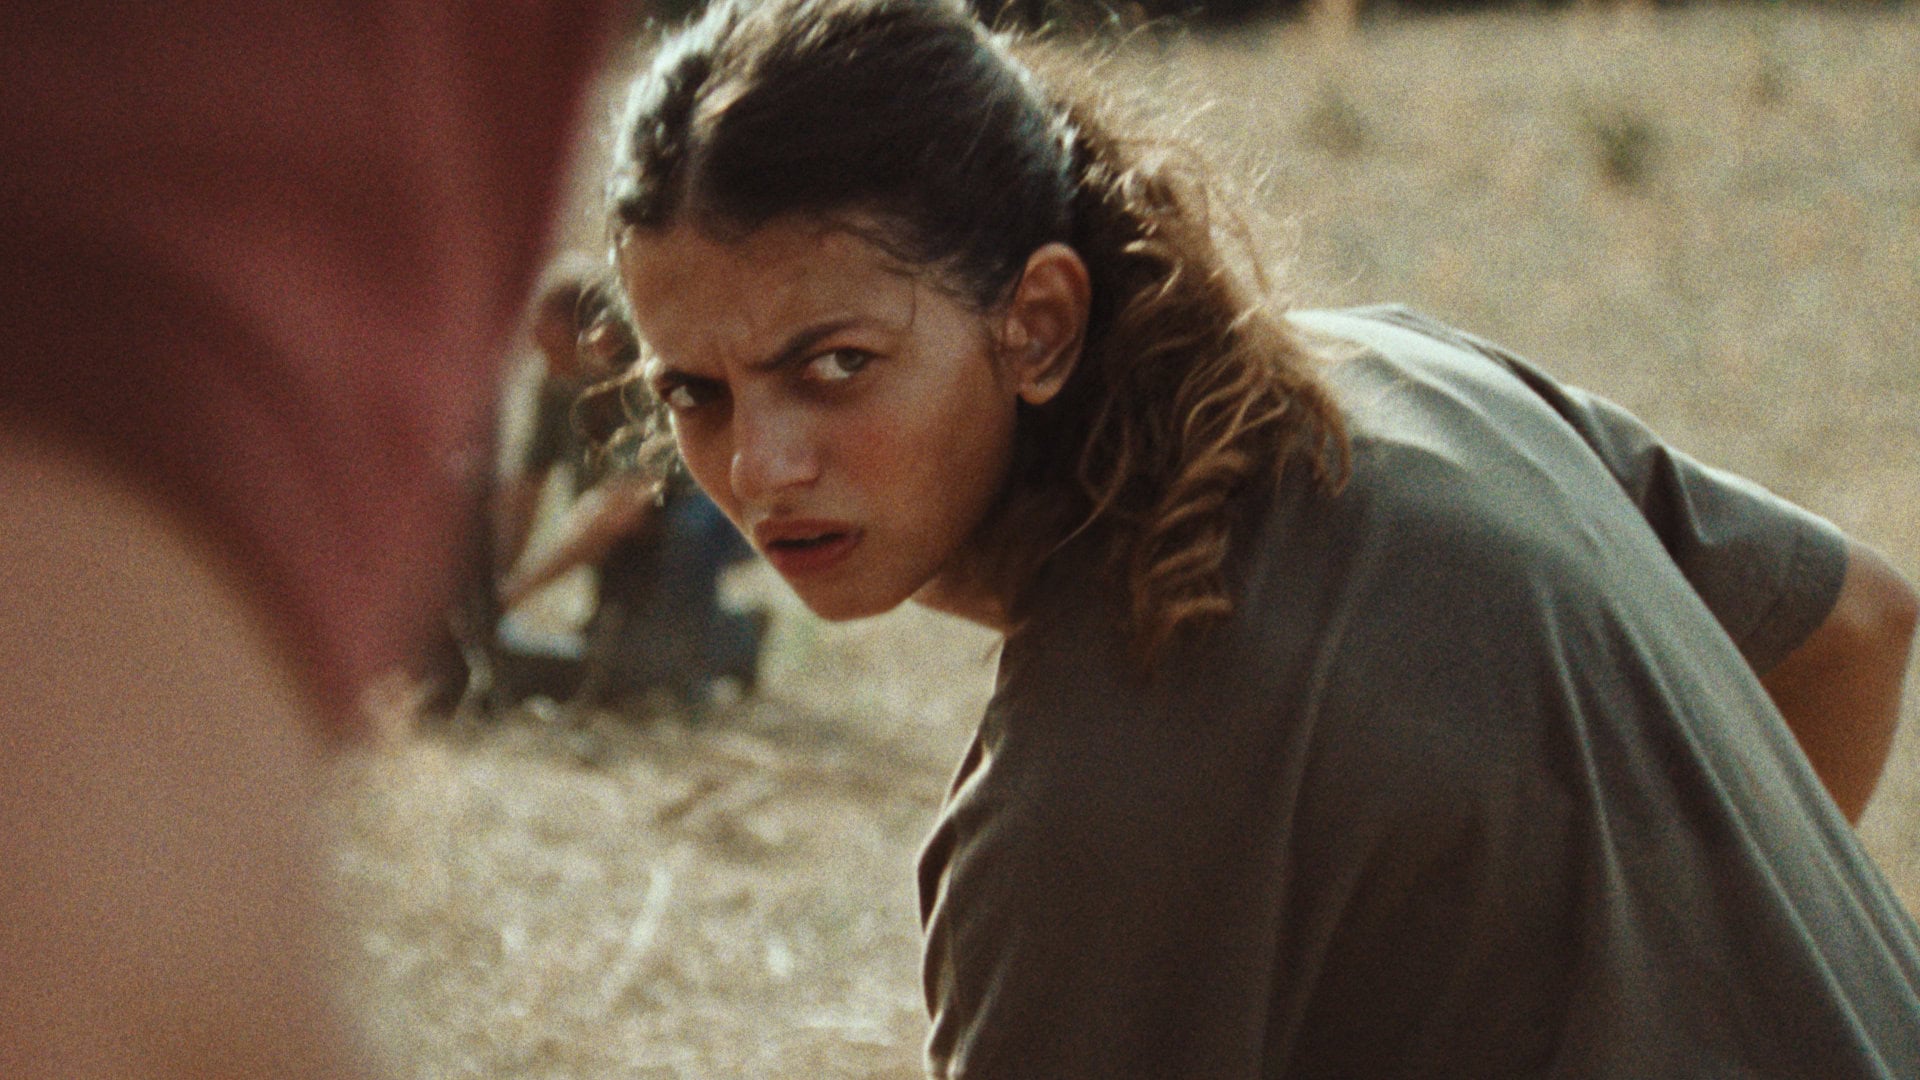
(1083, 15)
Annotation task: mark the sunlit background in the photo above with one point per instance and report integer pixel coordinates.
(1710, 213)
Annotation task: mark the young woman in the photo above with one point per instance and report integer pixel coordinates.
(1401, 713)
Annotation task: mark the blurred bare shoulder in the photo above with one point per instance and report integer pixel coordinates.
(156, 786)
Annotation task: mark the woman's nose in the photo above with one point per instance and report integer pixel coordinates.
(772, 452)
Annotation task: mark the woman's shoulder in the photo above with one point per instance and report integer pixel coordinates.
(1461, 477)
(1383, 355)
(1472, 512)
(1396, 331)
(1452, 433)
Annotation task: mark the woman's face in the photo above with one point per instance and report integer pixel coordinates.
(847, 414)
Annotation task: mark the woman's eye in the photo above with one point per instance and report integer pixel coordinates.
(681, 396)
(837, 366)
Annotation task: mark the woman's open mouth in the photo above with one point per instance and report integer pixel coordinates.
(796, 550)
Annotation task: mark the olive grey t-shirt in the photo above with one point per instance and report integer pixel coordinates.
(1478, 780)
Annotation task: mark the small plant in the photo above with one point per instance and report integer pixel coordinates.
(1625, 143)
(1335, 125)
(1771, 82)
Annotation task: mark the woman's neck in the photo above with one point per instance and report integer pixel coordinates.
(976, 605)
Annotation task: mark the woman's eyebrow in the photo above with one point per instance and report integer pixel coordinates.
(794, 348)
(802, 342)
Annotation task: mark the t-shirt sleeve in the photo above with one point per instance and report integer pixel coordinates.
(1770, 571)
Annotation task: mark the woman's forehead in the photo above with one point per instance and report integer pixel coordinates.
(783, 247)
(692, 292)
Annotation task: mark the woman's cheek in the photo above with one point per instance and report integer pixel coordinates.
(872, 452)
(706, 460)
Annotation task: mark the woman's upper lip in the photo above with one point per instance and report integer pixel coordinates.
(774, 530)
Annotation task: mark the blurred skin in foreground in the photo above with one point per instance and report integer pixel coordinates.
(160, 762)
(261, 263)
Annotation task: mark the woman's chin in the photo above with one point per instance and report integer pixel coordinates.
(838, 606)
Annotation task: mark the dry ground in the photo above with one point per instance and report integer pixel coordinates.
(1712, 216)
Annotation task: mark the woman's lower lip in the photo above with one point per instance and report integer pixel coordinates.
(814, 558)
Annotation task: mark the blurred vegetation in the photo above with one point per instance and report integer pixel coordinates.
(1334, 125)
(1624, 140)
(1095, 15)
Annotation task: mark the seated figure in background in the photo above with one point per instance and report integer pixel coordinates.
(658, 550)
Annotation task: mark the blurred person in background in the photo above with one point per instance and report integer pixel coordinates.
(658, 551)
(574, 348)
(1372, 704)
(484, 663)
(260, 264)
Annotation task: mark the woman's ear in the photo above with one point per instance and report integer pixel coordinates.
(1046, 322)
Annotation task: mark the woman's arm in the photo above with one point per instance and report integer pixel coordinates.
(1840, 689)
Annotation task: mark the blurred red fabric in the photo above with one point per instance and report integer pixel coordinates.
(262, 259)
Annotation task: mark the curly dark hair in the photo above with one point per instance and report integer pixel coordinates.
(1190, 388)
